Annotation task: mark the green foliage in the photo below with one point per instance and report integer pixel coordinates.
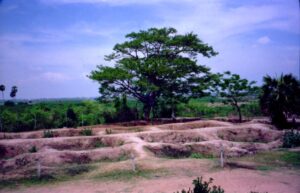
(280, 97)
(233, 89)
(127, 174)
(201, 186)
(291, 139)
(201, 156)
(48, 134)
(33, 149)
(71, 120)
(13, 91)
(86, 132)
(77, 169)
(99, 144)
(152, 64)
(22, 117)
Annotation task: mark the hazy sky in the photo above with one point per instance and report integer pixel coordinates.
(47, 47)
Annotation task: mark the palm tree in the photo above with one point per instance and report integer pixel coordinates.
(13, 91)
(280, 98)
(2, 89)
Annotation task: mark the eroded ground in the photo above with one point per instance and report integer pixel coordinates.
(103, 162)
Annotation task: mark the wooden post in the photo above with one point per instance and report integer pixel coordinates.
(38, 169)
(132, 162)
(222, 156)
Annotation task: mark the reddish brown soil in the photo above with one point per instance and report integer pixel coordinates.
(147, 144)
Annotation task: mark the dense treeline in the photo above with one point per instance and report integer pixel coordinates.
(27, 117)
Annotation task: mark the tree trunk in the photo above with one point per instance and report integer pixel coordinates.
(240, 113)
(147, 112)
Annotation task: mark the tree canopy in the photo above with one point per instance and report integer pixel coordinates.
(155, 63)
(280, 98)
(234, 89)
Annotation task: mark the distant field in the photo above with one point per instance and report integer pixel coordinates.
(39, 114)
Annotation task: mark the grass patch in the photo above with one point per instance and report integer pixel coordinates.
(272, 159)
(62, 174)
(125, 175)
(86, 132)
(201, 156)
(77, 169)
(264, 168)
(48, 134)
(33, 181)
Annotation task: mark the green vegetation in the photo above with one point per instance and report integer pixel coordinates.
(234, 90)
(273, 159)
(201, 186)
(64, 173)
(86, 132)
(129, 174)
(108, 131)
(201, 156)
(155, 65)
(33, 149)
(280, 97)
(48, 134)
(291, 139)
(28, 117)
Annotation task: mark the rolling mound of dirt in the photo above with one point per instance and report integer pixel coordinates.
(21, 151)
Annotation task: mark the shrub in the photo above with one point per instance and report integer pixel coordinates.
(291, 139)
(99, 144)
(108, 131)
(86, 132)
(201, 186)
(201, 156)
(48, 134)
(33, 149)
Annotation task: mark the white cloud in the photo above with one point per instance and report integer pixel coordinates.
(264, 40)
(55, 77)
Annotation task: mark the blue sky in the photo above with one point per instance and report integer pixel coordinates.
(49, 46)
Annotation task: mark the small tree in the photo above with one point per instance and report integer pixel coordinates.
(280, 98)
(234, 90)
(71, 118)
(154, 63)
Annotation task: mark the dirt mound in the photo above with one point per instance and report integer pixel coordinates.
(173, 137)
(12, 148)
(194, 125)
(22, 151)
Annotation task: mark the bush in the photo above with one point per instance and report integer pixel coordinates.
(33, 149)
(48, 134)
(201, 156)
(201, 186)
(86, 132)
(291, 139)
(108, 131)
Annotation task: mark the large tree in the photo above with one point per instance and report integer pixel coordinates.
(280, 98)
(152, 64)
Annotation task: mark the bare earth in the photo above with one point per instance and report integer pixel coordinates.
(149, 145)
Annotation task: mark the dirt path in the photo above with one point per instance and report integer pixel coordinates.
(233, 181)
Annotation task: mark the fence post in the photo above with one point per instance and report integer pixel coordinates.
(222, 156)
(38, 169)
(132, 162)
